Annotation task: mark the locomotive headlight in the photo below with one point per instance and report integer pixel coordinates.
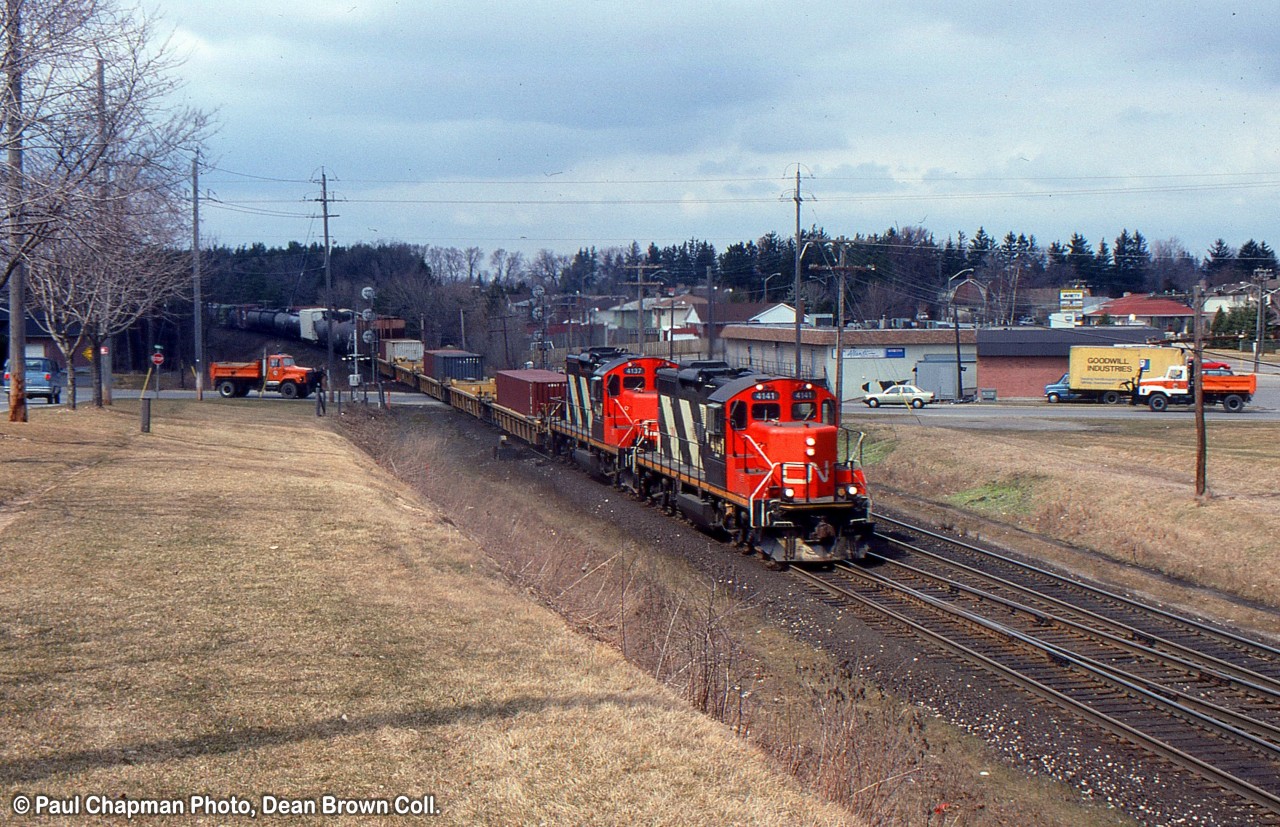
(789, 493)
(811, 441)
(810, 451)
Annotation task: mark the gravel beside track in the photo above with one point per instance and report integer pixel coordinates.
(1031, 734)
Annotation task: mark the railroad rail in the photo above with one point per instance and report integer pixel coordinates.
(1204, 698)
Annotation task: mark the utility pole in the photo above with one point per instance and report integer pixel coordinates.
(1197, 360)
(842, 269)
(1260, 277)
(13, 71)
(799, 254)
(640, 284)
(955, 323)
(196, 293)
(711, 316)
(328, 287)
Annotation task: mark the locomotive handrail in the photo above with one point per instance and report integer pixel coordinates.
(773, 466)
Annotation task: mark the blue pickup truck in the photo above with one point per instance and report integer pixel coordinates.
(44, 377)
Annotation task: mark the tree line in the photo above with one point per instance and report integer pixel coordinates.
(900, 273)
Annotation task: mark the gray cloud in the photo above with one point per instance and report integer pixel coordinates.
(1042, 118)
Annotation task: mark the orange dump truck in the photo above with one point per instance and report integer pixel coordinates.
(1178, 387)
(277, 372)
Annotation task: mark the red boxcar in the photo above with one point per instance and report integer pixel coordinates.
(530, 392)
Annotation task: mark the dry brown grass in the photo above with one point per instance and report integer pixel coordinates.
(242, 603)
(850, 744)
(1123, 489)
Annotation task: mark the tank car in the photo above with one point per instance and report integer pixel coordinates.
(338, 325)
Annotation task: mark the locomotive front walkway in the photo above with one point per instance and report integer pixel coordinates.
(240, 614)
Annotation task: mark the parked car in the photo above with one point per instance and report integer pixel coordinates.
(43, 378)
(900, 395)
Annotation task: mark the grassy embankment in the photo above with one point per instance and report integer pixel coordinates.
(242, 603)
(1122, 489)
(605, 571)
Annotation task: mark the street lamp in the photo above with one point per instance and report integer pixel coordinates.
(765, 297)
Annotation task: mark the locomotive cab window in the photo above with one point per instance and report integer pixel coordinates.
(828, 412)
(803, 411)
(613, 384)
(738, 415)
(633, 383)
(766, 411)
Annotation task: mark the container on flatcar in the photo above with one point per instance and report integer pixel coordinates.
(451, 363)
(401, 350)
(531, 392)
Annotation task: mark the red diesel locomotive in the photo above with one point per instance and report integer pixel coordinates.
(733, 450)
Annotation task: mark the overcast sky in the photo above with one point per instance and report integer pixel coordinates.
(558, 124)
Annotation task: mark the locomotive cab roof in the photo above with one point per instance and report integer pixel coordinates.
(589, 361)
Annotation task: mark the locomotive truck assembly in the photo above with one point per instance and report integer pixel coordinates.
(748, 456)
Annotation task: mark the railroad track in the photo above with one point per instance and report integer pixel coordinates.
(1203, 698)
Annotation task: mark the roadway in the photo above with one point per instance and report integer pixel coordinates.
(1015, 413)
(1037, 413)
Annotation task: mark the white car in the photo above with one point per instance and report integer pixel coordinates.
(900, 395)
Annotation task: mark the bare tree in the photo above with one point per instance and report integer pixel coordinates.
(474, 258)
(547, 267)
(92, 157)
(446, 263)
(507, 267)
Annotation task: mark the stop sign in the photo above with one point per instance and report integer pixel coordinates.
(157, 359)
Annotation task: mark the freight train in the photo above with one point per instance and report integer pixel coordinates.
(308, 324)
(752, 457)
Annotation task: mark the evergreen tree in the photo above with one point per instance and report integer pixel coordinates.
(980, 247)
(1221, 263)
(1101, 264)
(1080, 259)
(1254, 255)
(1132, 262)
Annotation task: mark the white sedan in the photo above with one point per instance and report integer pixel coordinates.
(900, 395)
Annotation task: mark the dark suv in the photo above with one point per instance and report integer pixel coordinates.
(43, 378)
